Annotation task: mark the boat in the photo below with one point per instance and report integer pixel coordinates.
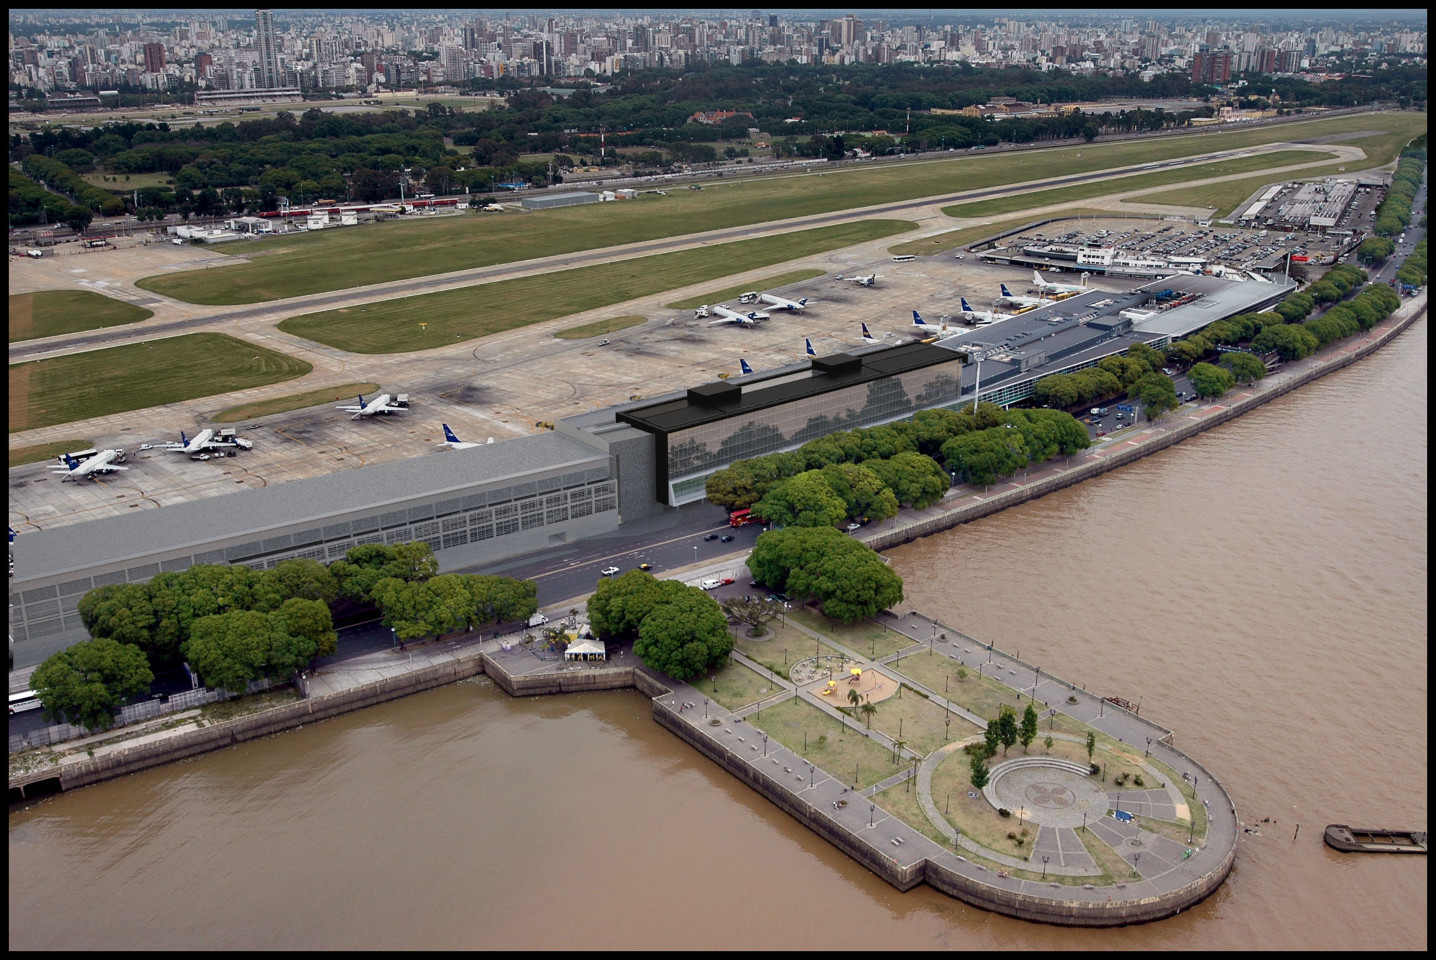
(1339, 836)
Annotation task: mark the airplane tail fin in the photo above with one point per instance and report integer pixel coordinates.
(918, 321)
(866, 335)
(491, 439)
(803, 302)
(1037, 279)
(449, 435)
(1005, 291)
(809, 344)
(184, 441)
(965, 307)
(70, 462)
(743, 366)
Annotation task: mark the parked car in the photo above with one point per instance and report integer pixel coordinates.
(726, 538)
(727, 581)
(707, 537)
(854, 526)
(711, 584)
(645, 566)
(609, 571)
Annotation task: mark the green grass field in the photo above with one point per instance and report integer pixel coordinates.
(47, 451)
(392, 326)
(728, 293)
(49, 313)
(341, 259)
(295, 401)
(1226, 197)
(1101, 188)
(104, 382)
(601, 327)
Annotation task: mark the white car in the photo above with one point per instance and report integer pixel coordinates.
(711, 584)
(854, 526)
(609, 571)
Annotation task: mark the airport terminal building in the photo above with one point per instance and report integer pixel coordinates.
(595, 470)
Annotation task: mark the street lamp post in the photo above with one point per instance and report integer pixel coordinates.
(871, 808)
(765, 744)
(1149, 746)
(1044, 866)
(705, 713)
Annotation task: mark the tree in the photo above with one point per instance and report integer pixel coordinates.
(685, 635)
(757, 614)
(1157, 394)
(980, 773)
(854, 697)
(1091, 744)
(620, 603)
(1245, 367)
(121, 612)
(991, 737)
(867, 710)
(1047, 742)
(1028, 733)
(86, 683)
(1006, 727)
(1209, 380)
(802, 501)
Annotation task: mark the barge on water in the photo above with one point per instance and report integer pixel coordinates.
(1366, 840)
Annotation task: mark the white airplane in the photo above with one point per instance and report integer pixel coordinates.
(749, 319)
(106, 461)
(379, 404)
(1011, 297)
(929, 329)
(743, 367)
(450, 440)
(861, 281)
(981, 318)
(783, 304)
(868, 337)
(1044, 287)
(204, 440)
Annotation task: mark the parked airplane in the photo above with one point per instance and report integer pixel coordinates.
(749, 319)
(981, 318)
(450, 440)
(1011, 297)
(1044, 287)
(743, 367)
(783, 304)
(809, 345)
(203, 441)
(861, 281)
(379, 404)
(929, 329)
(106, 461)
(868, 337)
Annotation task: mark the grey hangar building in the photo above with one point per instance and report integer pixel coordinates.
(595, 470)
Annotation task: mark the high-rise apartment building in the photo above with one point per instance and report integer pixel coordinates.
(1215, 67)
(154, 58)
(266, 47)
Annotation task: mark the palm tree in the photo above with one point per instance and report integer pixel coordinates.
(868, 710)
(898, 745)
(854, 697)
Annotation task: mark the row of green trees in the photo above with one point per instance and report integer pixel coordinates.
(235, 624)
(677, 629)
(57, 176)
(1413, 269)
(31, 203)
(1394, 214)
(898, 456)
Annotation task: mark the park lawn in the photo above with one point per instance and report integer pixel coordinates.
(845, 753)
(1227, 197)
(600, 327)
(47, 451)
(134, 376)
(293, 266)
(124, 183)
(1102, 188)
(919, 721)
(782, 648)
(866, 637)
(977, 693)
(294, 401)
(49, 313)
(393, 326)
(730, 293)
(734, 685)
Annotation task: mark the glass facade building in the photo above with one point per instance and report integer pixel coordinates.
(719, 424)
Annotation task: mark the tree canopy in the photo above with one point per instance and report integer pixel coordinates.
(849, 580)
(86, 683)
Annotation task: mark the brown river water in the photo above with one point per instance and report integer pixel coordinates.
(1261, 588)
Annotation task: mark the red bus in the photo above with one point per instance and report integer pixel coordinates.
(741, 518)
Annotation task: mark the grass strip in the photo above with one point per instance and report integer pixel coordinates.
(600, 327)
(49, 313)
(394, 326)
(99, 383)
(294, 401)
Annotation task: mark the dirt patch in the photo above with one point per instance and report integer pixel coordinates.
(22, 313)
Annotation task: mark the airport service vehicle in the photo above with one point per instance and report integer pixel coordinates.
(537, 620)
